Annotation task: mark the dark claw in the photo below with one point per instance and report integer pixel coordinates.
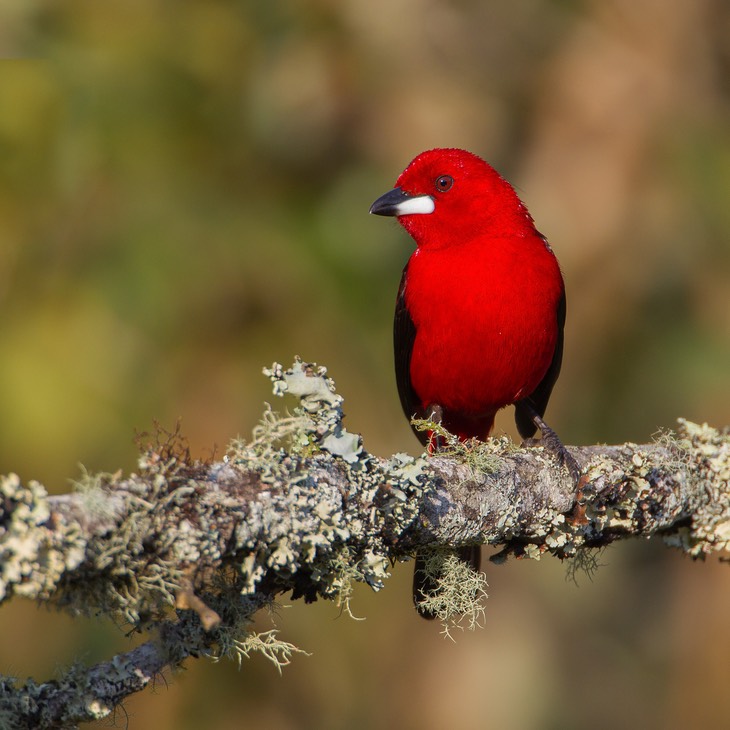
(551, 441)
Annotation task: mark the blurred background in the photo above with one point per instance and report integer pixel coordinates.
(184, 191)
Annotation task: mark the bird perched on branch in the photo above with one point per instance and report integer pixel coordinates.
(480, 310)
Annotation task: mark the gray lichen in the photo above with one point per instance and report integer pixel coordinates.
(343, 516)
(33, 561)
(707, 458)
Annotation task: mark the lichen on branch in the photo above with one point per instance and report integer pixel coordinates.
(193, 549)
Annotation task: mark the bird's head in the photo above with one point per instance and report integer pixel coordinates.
(450, 196)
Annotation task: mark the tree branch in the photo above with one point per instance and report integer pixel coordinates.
(192, 550)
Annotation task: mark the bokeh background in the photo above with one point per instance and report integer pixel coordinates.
(183, 199)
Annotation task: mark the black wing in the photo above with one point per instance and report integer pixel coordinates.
(404, 335)
(538, 399)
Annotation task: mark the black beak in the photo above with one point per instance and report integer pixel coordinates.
(388, 204)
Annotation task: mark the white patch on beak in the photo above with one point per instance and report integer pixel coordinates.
(421, 205)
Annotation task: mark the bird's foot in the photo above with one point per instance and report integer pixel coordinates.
(551, 441)
(436, 441)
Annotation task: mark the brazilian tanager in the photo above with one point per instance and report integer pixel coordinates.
(481, 305)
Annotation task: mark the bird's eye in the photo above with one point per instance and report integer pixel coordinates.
(444, 183)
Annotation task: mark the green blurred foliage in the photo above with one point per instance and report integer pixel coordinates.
(183, 199)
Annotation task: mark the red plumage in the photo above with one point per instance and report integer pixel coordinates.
(483, 293)
(485, 314)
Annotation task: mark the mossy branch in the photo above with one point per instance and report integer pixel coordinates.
(192, 550)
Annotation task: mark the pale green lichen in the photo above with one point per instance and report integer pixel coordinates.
(408, 468)
(341, 539)
(344, 573)
(708, 451)
(32, 560)
(482, 457)
(266, 643)
(317, 397)
(234, 639)
(694, 479)
(458, 601)
(135, 572)
(274, 432)
(133, 587)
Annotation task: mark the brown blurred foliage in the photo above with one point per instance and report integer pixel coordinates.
(183, 199)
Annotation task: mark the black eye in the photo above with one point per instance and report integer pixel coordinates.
(444, 183)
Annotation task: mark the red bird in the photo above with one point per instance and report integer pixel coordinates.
(481, 305)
